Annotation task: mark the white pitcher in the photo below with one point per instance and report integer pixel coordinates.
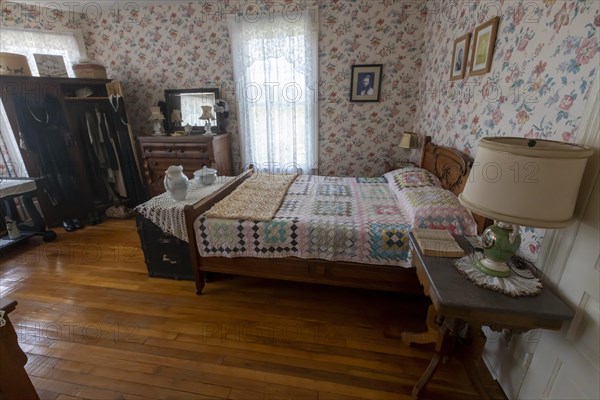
(176, 183)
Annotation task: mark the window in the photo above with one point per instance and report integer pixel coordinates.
(275, 66)
(69, 45)
(29, 42)
(11, 162)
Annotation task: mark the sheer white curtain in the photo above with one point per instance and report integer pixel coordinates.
(275, 66)
(11, 162)
(191, 108)
(29, 42)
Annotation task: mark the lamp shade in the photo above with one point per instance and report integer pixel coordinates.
(525, 182)
(176, 116)
(207, 113)
(156, 114)
(409, 140)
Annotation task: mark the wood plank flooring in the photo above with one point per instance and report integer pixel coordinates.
(95, 326)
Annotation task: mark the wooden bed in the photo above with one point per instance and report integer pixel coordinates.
(451, 166)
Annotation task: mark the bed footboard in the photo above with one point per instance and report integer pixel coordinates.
(192, 212)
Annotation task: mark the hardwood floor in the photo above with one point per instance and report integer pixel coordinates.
(94, 325)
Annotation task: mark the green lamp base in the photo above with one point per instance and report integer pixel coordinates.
(493, 268)
(500, 242)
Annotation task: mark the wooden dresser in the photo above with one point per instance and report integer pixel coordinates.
(192, 152)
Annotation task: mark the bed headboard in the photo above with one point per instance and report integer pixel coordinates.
(450, 165)
(453, 168)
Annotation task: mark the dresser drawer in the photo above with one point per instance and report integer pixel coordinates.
(182, 150)
(158, 166)
(191, 152)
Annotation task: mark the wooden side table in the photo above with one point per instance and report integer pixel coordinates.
(26, 189)
(460, 306)
(14, 381)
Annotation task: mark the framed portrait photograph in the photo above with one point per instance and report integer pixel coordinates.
(484, 41)
(365, 84)
(460, 57)
(50, 65)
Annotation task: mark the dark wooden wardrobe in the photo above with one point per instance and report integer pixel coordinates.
(53, 120)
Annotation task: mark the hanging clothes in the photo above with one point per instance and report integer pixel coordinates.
(101, 194)
(120, 181)
(45, 133)
(117, 118)
(105, 155)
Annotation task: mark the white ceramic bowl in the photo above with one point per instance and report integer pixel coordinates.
(205, 176)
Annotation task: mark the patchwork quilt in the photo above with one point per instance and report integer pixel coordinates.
(329, 218)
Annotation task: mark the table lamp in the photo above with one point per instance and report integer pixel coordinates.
(176, 118)
(157, 118)
(520, 181)
(207, 115)
(409, 141)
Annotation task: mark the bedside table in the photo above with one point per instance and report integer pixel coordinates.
(457, 303)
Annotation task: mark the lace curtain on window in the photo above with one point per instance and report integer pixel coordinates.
(191, 108)
(29, 43)
(11, 162)
(275, 66)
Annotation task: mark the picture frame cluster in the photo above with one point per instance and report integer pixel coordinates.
(365, 83)
(481, 50)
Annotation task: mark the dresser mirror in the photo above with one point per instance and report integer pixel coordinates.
(185, 106)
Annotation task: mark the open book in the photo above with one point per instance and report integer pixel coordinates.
(434, 242)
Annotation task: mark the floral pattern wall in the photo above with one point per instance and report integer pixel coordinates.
(543, 68)
(150, 48)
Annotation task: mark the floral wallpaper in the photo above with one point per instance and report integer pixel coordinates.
(544, 64)
(543, 67)
(150, 48)
(356, 138)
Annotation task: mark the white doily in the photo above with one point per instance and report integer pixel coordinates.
(512, 285)
(167, 213)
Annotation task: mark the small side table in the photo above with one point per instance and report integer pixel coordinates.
(26, 189)
(459, 305)
(14, 381)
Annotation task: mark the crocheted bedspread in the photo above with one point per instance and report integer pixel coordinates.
(330, 218)
(257, 198)
(167, 213)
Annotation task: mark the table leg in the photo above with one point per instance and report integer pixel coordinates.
(443, 349)
(36, 226)
(38, 223)
(472, 353)
(432, 335)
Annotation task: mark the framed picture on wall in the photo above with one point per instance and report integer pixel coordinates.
(459, 57)
(484, 41)
(365, 84)
(50, 65)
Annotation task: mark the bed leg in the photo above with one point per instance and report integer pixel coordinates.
(199, 282)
